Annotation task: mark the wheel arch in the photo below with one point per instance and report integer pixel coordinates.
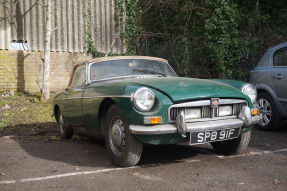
(103, 110)
(56, 112)
(261, 88)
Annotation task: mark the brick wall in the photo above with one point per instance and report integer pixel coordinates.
(23, 70)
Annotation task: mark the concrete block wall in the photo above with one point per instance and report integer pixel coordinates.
(23, 70)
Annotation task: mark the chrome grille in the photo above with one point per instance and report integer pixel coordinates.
(206, 109)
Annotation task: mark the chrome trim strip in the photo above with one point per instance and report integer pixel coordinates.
(122, 78)
(214, 125)
(92, 97)
(231, 101)
(191, 104)
(207, 102)
(208, 119)
(126, 96)
(190, 127)
(129, 58)
(152, 130)
(256, 119)
(282, 100)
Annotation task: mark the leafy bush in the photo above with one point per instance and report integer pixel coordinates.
(215, 38)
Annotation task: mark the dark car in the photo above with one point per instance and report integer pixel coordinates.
(270, 79)
(131, 100)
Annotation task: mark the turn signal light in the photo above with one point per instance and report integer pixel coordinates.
(152, 120)
(255, 111)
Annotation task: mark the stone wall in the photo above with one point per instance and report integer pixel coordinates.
(23, 70)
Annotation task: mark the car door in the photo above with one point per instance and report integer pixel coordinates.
(74, 99)
(278, 76)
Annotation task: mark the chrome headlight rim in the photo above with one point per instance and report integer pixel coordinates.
(250, 91)
(142, 107)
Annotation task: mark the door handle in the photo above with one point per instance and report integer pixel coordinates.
(278, 76)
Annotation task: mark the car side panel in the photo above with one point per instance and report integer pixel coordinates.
(72, 107)
(92, 99)
(278, 76)
(264, 78)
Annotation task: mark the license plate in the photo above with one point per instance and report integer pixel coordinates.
(216, 135)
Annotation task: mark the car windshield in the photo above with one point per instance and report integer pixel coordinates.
(130, 67)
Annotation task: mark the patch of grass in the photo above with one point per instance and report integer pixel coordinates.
(26, 112)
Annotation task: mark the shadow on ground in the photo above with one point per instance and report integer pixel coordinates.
(44, 143)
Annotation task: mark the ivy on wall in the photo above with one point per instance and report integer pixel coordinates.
(90, 45)
(214, 38)
(221, 35)
(126, 22)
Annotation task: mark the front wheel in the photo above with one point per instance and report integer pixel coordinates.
(123, 148)
(271, 121)
(233, 146)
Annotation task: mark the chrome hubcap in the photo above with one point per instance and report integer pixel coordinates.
(117, 136)
(265, 109)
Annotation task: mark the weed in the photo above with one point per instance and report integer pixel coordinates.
(26, 112)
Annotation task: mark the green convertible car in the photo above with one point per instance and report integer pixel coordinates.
(131, 100)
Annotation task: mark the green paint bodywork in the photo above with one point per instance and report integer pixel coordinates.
(245, 130)
(183, 89)
(84, 105)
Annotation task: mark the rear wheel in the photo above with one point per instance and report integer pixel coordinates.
(271, 121)
(233, 146)
(123, 148)
(65, 132)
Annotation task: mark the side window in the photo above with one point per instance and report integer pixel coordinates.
(280, 58)
(79, 77)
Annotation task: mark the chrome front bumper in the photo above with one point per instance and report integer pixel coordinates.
(181, 127)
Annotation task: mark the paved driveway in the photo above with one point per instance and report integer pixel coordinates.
(80, 164)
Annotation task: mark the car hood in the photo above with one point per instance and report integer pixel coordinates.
(180, 89)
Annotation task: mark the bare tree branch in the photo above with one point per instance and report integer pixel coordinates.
(12, 12)
(55, 28)
(40, 3)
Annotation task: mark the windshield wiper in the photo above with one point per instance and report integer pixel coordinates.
(149, 72)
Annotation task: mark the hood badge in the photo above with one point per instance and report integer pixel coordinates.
(214, 102)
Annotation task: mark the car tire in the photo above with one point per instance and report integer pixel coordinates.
(65, 132)
(271, 121)
(233, 146)
(123, 148)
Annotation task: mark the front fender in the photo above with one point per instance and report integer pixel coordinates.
(135, 117)
(261, 87)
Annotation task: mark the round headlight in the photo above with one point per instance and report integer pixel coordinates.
(250, 90)
(144, 99)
